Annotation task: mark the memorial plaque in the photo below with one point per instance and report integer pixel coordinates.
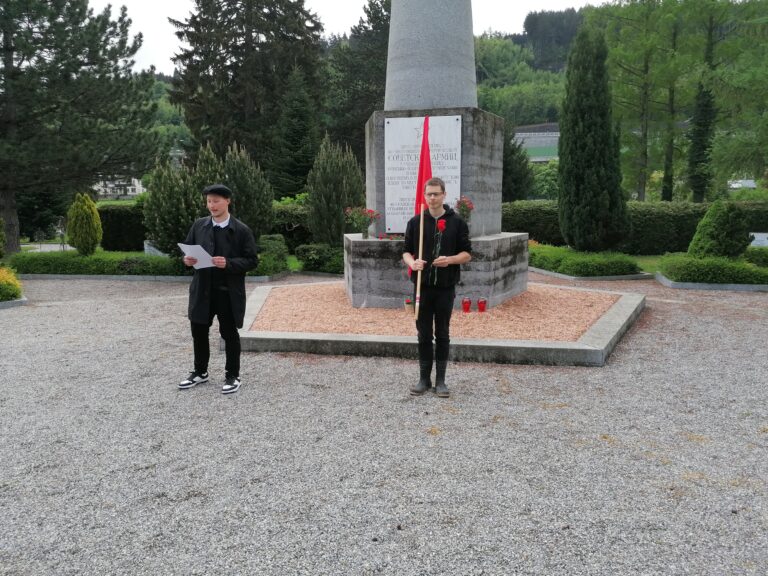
(402, 147)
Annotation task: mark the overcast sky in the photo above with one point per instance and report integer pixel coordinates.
(150, 17)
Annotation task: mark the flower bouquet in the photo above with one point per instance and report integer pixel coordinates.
(464, 207)
(360, 219)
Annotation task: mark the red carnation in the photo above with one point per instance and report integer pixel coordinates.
(441, 226)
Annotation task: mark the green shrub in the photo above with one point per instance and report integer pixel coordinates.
(290, 220)
(273, 257)
(757, 255)
(99, 263)
(10, 287)
(321, 258)
(712, 270)
(536, 217)
(251, 193)
(123, 227)
(84, 225)
(660, 227)
(722, 232)
(572, 263)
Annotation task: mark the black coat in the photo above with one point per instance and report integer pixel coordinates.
(453, 240)
(240, 251)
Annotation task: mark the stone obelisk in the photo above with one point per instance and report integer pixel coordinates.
(431, 72)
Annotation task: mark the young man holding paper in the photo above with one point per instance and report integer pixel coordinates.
(446, 247)
(219, 290)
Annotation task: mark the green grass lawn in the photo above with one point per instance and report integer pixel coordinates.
(648, 263)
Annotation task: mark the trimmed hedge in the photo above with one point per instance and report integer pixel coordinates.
(757, 255)
(291, 220)
(572, 263)
(123, 227)
(684, 268)
(10, 287)
(657, 227)
(321, 258)
(100, 263)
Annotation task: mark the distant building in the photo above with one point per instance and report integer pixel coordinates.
(119, 189)
(539, 140)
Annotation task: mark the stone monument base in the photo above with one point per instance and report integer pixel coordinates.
(376, 277)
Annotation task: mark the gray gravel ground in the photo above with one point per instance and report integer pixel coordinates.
(653, 464)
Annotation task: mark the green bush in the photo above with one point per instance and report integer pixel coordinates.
(123, 227)
(657, 227)
(536, 217)
(722, 232)
(99, 263)
(10, 287)
(321, 258)
(757, 255)
(290, 220)
(572, 263)
(84, 225)
(273, 257)
(712, 270)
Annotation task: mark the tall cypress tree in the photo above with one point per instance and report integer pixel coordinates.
(592, 209)
(71, 110)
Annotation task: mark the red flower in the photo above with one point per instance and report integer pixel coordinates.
(441, 226)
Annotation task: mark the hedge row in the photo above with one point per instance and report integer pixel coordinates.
(566, 261)
(10, 287)
(100, 263)
(122, 227)
(321, 258)
(684, 268)
(657, 227)
(757, 255)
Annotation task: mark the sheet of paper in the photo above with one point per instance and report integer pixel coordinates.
(204, 260)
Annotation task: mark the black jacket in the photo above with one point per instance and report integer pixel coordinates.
(454, 239)
(240, 251)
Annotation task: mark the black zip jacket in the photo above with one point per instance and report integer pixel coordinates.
(453, 240)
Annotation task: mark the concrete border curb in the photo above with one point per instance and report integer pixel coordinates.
(640, 276)
(13, 303)
(592, 349)
(702, 286)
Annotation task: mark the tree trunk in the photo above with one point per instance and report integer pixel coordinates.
(668, 181)
(11, 220)
(7, 192)
(645, 112)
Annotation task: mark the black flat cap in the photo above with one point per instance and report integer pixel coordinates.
(219, 189)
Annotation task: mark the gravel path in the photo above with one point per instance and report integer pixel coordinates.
(656, 463)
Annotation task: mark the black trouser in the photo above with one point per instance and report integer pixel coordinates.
(221, 307)
(435, 308)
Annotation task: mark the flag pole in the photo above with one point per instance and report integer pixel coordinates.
(418, 275)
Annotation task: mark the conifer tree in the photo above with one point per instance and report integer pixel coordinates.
(334, 183)
(251, 192)
(173, 203)
(296, 141)
(591, 209)
(84, 225)
(517, 174)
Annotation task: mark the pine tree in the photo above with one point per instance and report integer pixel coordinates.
(84, 225)
(334, 183)
(357, 76)
(233, 73)
(209, 169)
(71, 110)
(591, 209)
(517, 175)
(251, 192)
(296, 141)
(723, 231)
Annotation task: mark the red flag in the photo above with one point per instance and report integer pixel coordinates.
(425, 169)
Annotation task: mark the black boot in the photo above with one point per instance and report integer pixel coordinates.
(425, 370)
(440, 388)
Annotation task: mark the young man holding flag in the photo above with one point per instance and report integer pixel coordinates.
(436, 245)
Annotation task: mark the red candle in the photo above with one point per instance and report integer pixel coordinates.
(465, 304)
(481, 302)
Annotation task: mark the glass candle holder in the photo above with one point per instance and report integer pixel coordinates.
(466, 304)
(481, 304)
